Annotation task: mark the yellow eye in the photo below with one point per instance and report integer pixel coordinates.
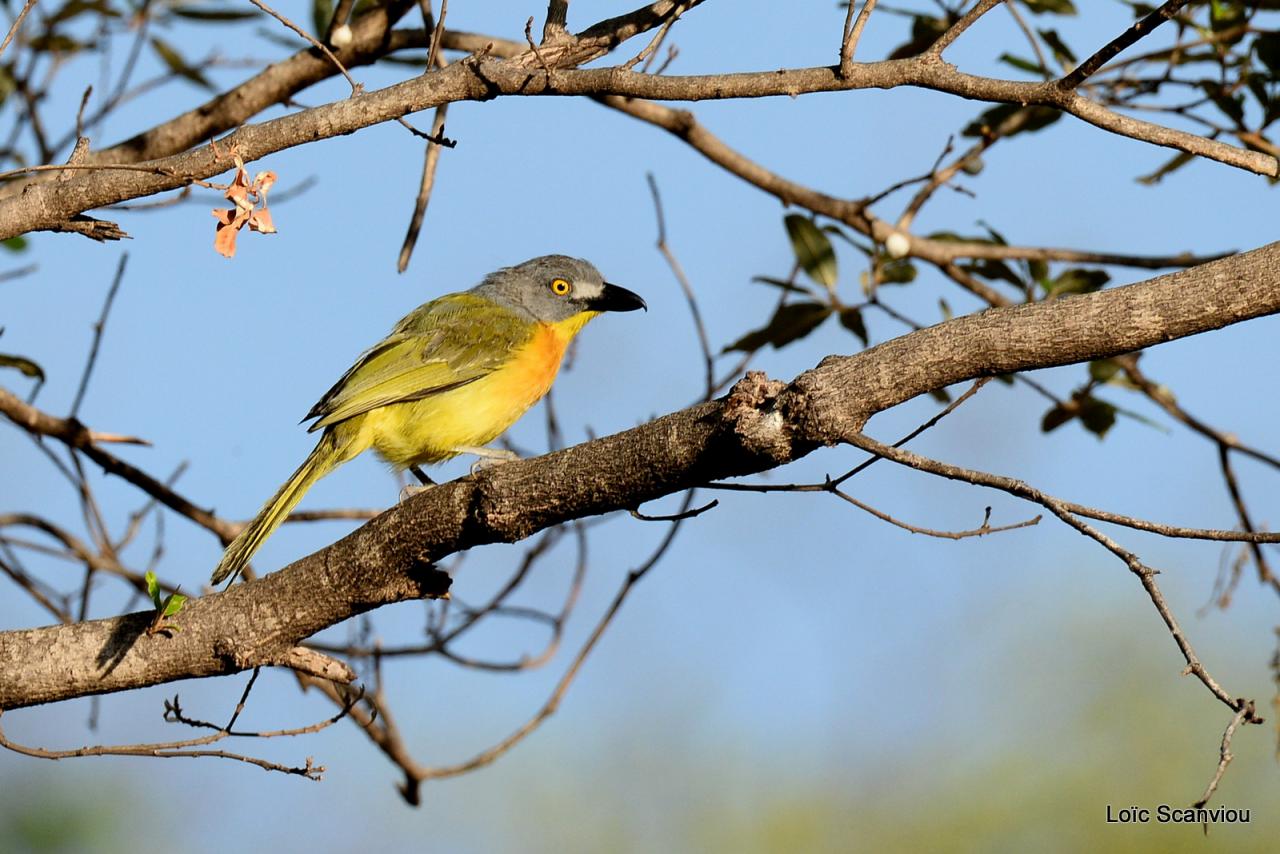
(560, 287)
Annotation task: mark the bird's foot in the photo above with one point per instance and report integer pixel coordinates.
(489, 457)
(412, 489)
(423, 479)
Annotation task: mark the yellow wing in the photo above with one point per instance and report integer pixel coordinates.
(445, 344)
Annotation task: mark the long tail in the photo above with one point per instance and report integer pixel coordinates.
(327, 456)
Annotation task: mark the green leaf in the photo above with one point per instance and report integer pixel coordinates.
(57, 43)
(1267, 48)
(1077, 280)
(1226, 15)
(897, 271)
(321, 15)
(153, 588)
(1025, 65)
(173, 604)
(1142, 419)
(861, 247)
(1061, 52)
(1097, 416)
(940, 394)
(15, 244)
(7, 84)
(1052, 7)
(177, 64)
(225, 14)
(990, 121)
(851, 319)
(789, 287)
(814, 252)
(1169, 166)
(925, 30)
(1231, 104)
(1038, 270)
(1056, 417)
(23, 364)
(75, 8)
(995, 270)
(996, 237)
(1102, 370)
(789, 323)
(1257, 84)
(288, 42)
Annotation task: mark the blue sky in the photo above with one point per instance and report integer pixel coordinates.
(785, 637)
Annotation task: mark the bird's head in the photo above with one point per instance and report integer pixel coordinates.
(555, 288)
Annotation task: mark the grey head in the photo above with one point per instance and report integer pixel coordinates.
(552, 288)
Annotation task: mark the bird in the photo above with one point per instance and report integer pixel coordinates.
(451, 377)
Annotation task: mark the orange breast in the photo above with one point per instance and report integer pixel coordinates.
(429, 430)
(509, 391)
(537, 363)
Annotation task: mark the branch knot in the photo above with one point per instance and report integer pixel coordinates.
(753, 411)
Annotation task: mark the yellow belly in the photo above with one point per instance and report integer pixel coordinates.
(430, 430)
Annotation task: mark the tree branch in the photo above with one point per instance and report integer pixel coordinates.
(761, 424)
(46, 205)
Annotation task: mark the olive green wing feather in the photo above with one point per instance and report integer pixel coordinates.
(443, 345)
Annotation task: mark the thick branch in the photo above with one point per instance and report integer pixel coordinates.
(760, 425)
(48, 204)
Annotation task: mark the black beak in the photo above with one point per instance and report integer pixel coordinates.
(614, 298)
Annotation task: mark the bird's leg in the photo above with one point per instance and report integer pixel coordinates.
(423, 479)
(488, 456)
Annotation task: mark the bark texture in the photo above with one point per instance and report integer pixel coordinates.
(760, 425)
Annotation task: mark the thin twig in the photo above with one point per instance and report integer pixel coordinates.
(1031, 38)
(356, 88)
(1265, 575)
(1244, 715)
(43, 594)
(430, 159)
(528, 37)
(18, 273)
(928, 424)
(852, 34)
(75, 435)
(1011, 124)
(1145, 574)
(437, 33)
(676, 517)
(944, 41)
(1086, 69)
(704, 343)
(116, 167)
(183, 748)
(98, 329)
(341, 12)
(557, 695)
(16, 24)
(84, 102)
(982, 530)
(557, 20)
(647, 53)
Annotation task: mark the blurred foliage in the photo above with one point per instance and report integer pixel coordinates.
(38, 816)
(1039, 778)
